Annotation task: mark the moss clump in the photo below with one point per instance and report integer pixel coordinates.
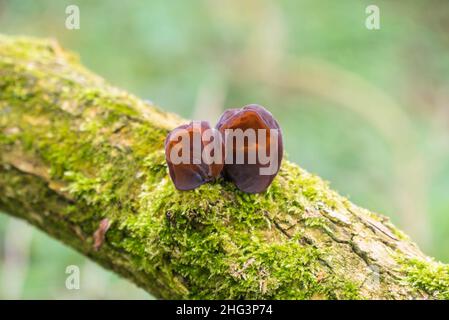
(223, 243)
(429, 277)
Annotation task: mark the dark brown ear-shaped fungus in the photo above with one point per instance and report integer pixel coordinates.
(247, 176)
(193, 170)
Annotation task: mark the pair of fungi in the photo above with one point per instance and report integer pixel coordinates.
(247, 175)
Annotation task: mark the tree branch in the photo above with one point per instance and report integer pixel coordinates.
(84, 162)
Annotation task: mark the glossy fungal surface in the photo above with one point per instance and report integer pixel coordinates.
(195, 171)
(247, 176)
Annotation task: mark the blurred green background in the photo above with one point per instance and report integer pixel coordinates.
(365, 109)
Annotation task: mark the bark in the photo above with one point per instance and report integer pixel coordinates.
(84, 162)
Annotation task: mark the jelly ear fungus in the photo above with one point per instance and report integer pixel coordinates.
(194, 172)
(247, 176)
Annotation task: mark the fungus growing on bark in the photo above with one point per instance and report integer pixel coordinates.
(193, 154)
(258, 143)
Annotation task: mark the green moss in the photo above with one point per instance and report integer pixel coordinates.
(429, 277)
(215, 239)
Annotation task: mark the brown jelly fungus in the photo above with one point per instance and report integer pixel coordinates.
(184, 152)
(262, 147)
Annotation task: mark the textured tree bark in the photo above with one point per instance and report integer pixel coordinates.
(84, 162)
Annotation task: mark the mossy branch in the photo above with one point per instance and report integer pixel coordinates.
(84, 162)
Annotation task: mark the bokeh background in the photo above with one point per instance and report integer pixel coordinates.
(365, 109)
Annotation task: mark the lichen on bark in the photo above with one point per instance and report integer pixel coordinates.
(75, 151)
